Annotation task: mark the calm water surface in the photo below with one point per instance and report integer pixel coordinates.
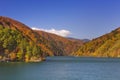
(63, 68)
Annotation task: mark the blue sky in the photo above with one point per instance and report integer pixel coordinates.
(82, 18)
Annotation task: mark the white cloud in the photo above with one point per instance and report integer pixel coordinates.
(63, 33)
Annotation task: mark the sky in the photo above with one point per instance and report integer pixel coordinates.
(83, 19)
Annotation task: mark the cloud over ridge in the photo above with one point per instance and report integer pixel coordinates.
(63, 32)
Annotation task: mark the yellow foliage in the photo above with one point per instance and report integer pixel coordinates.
(12, 56)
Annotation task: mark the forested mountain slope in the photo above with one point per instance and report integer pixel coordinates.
(20, 42)
(61, 46)
(107, 45)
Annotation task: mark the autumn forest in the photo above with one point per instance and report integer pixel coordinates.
(19, 42)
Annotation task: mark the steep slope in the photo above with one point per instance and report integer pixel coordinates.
(107, 45)
(59, 45)
(29, 44)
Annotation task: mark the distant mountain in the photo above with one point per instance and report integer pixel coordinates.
(85, 40)
(107, 45)
(71, 38)
(19, 42)
(79, 40)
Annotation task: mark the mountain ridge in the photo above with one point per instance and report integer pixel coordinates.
(18, 42)
(36, 44)
(61, 42)
(107, 45)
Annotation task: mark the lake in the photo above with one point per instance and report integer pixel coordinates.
(63, 68)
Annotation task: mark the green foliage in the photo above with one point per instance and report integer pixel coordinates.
(15, 46)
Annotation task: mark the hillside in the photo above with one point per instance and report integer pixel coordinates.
(107, 45)
(60, 46)
(19, 42)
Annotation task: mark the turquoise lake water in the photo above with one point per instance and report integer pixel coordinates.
(63, 68)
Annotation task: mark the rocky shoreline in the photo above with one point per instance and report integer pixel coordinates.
(31, 60)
